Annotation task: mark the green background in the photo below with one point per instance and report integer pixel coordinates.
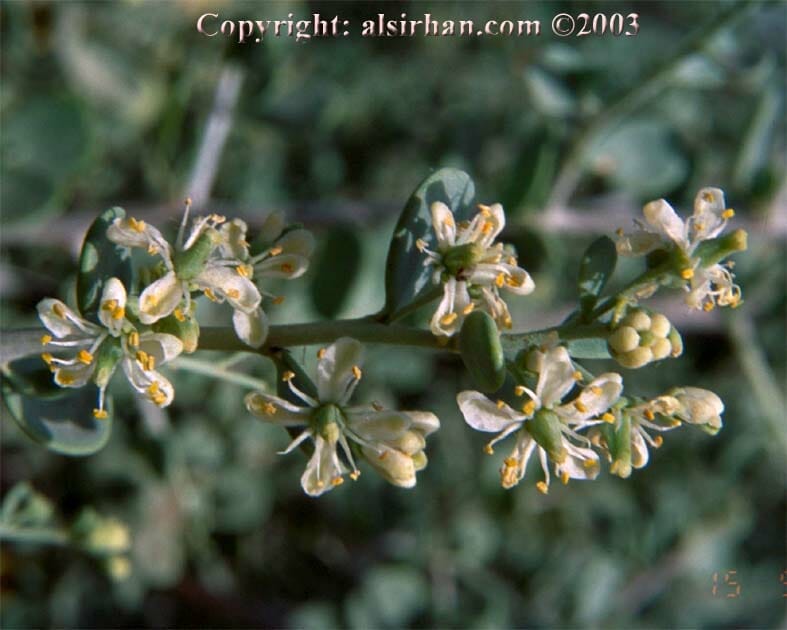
(107, 104)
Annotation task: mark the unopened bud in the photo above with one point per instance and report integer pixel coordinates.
(699, 406)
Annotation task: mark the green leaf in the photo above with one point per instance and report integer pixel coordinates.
(595, 269)
(32, 377)
(65, 425)
(405, 275)
(595, 348)
(336, 266)
(482, 354)
(100, 260)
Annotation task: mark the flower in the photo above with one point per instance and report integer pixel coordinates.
(472, 268)
(100, 348)
(708, 285)
(700, 407)
(392, 441)
(544, 424)
(190, 265)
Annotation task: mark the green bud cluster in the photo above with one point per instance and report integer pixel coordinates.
(640, 338)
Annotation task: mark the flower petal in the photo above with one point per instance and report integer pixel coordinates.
(154, 386)
(664, 220)
(133, 233)
(423, 421)
(287, 266)
(594, 399)
(160, 298)
(556, 377)
(251, 328)
(277, 410)
(75, 375)
(394, 466)
(335, 373)
(639, 449)
(299, 242)
(233, 242)
(378, 426)
(112, 307)
(638, 243)
(226, 282)
(484, 415)
(323, 467)
(443, 224)
(707, 221)
(580, 463)
(61, 321)
(163, 347)
(495, 221)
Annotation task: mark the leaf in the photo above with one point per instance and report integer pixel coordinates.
(595, 269)
(595, 348)
(65, 425)
(32, 377)
(100, 260)
(405, 274)
(336, 266)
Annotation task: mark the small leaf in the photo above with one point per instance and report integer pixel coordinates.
(100, 260)
(336, 266)
(595, 269)
(65, 425)
(595, 348)
(405, 274)
(32, 377)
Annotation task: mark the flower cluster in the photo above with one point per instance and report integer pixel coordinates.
(472, 268)
(391, 441)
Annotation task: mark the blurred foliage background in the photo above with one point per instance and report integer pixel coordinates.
(126, 104)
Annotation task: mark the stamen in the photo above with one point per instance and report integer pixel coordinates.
(279, 299)
(66, 379)
(210, 295)
(500, 404)
(658, 441)
(500, 280)
(608, 417)
(596, 390)
(448, 221)
(357, 373)
(337, 481)
(85, 357)
(142, 356)
(580, 406)
(382, 455)
(287, 268)
(507, 322)
(45, 339)
(152, 249)
(542, 487)
(47, 358)
(489, 450)
(150, 364)
(420, 245)
(648, 413)
(564, 477)
(243, 271)
(484, 210)
(708, 307)
(619, 232)
(109, 305)
(487, 227)
(118, 313)
(468, 309)
(588, 463)
(100, 414)
(577, 375)
(58, 310)
(687, 274)
(448, 319)
(519, 390)
(133, 339)
(529, 407)
(355, 474)
(706, 196)
(728, 213)
(275, 251)
(321, 353)
(288, 376)
(137, 226)
(232, 293)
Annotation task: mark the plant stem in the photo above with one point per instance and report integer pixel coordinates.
(40, 536)
(422, 300)
(215, 370)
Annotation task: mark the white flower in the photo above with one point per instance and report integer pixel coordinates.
(472, 268)
(544, 424)
(99, 348)
(708, 286)
(700, 407)
(190, 265)
(392, 441)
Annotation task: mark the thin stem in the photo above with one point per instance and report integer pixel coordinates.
(40, 536)
(215, 370)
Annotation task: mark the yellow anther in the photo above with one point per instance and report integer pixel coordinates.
(208, 293)
(85, 357)
(137, 226)
(608, 417)
(355, 474)
(542, 487)
(287, 268)
(468, 309)
(66, 379)
(321, 353)
(382, 455)
(150, 364)
(448, 319)
(218, 218)
(420, 245)
(730, 264)
(708, 197)
(151, 300)
(45, 339)
(507, 322)
(658, 441)
(519, 390)
(489, 450)
(320, 484)
(500, 404)
(580, 406)
(564, 477)
(47, 358)
(357, 372)
(152, 249)
(589, 463)
(187, 201)
(269, 409)
(699, 226)
(487, 227)
(133, 339)
(619, 232)
(232, 293)
(577, 375)
(243, 270)
(118, 312)
(687, 274)
(484, 210)
(275, 251)
(510, 462)
(596, 390)
(100, 414)
(58, 310)
(500, 280)
(142, 356)
(512, 261)
(109, 305)
(449, 221)
(337, 481)
(279, 299)
(288, 376)
(708, 307)
(513, 281)
(529, 407)
(649, 415)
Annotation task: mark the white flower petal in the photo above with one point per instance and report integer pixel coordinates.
(227, 283)
(75, 375)
(394, 466)
(378, 426)
(132, 233)
(593, 400)
(335, 374)
(251, 328)
(233, 242)
(423, 421)
(556, 377)
(111, 310)
(497, 219)
(638, 243)
(61, 321)
(664, 220)
(444, 225)
(707, 221)
(484, 415)
(163, 347)
(323, 467)
(639, 449)
(287, 266)
(299, 242)
(580, 463)
(277, 410)
(160, 298)
(153, 385)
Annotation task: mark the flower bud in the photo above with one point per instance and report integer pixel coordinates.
(189, 263)
(545, 429)
(624, 339)
(482, 354)
(187, 330)
(641, 337)
(699, 406)
(395, 467)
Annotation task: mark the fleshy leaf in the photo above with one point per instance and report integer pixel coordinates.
(335, 267)
(595, 348)
(595, 269)
(99, 260)
(405, 275)
(65, 424)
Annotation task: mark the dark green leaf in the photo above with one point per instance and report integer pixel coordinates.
(32, 377)
(595, 269)
(482, 354)
(405, 274)
(336, 266)
(100, 260)
(65, 425)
